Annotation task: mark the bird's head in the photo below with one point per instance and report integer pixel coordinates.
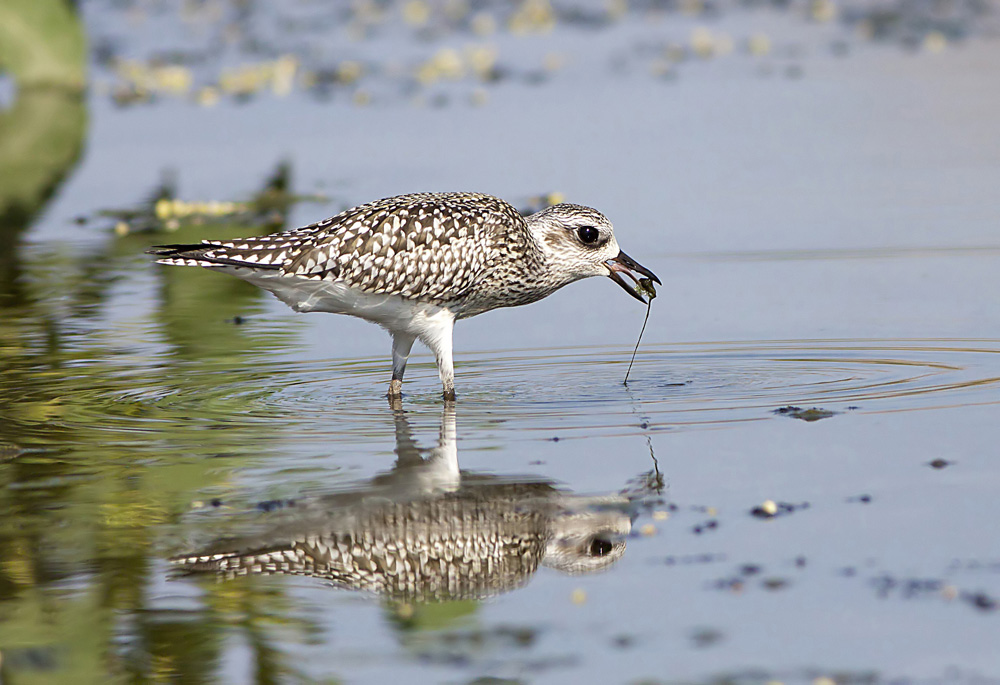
(579, 242)
(587, 535)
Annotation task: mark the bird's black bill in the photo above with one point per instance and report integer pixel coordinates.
(623, 265)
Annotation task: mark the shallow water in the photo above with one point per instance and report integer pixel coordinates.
(825, 346)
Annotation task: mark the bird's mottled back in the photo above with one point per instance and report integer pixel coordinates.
(427, 246)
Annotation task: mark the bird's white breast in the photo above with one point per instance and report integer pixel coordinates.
(392, 312)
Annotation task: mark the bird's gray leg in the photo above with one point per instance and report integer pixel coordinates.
(401, 344)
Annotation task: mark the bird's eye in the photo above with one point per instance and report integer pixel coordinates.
(600, 548)
(588, 234)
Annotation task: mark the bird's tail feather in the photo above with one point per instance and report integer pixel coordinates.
(201, 254)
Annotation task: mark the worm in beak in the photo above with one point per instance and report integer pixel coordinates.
(623, 265)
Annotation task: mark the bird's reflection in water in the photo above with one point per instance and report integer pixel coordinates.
(428, 531)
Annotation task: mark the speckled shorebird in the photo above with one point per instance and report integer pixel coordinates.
(414, 264)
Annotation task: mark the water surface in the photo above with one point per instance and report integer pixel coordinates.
(826, 347)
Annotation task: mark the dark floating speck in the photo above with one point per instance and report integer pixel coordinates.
(862, 499)
(689, 559)
(775, 583)
(623, 641)
(706, 637)
(907, 588)
(981, 601)
(939, 463)
(711, 524)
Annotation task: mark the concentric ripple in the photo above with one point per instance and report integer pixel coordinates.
(718, 382)
(671, 385)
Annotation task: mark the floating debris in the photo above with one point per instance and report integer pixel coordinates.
(811, 414)
(711, 524)
(770, 509)
(982, 601)
(165, 212)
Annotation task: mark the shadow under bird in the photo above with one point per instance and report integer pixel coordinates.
(414, 264)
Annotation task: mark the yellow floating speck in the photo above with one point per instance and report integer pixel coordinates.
(616, 9)
(349, 72)
(162, 209)
(554, 61)
(208, 96)
(578, 596)
(758, 45)
(935, 42)
(484, 24)
(416, 13)
(823, 10)
(283, 79)
(479, 97)
(702, 42)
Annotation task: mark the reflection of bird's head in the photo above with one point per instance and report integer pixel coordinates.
(586, 539)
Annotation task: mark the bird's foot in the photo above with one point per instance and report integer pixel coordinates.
(395, 394)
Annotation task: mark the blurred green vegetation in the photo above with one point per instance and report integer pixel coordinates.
(110, 429)
(42, 43)
(101, 458)
(43, 49)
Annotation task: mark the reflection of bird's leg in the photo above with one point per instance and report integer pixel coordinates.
(407, 451)
(445, 455)
(439, 471)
